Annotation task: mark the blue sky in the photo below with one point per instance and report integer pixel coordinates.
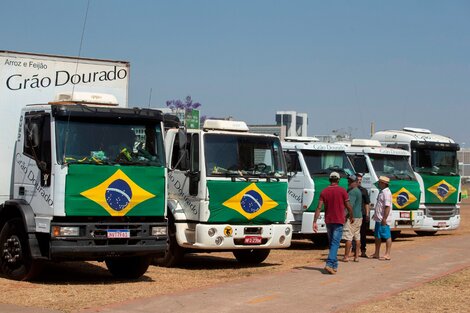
(345, 63)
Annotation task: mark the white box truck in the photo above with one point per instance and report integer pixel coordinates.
(309, 164)
(227, 191)
(84, 177)
(372, 160)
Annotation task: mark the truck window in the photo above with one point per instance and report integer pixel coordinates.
(243, 155)
(37, 141)
(359, 163)
(396, 167)
(293, 164)
(322, 163)
(178, 156)
(104, 142)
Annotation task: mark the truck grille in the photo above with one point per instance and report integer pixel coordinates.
(440, 213)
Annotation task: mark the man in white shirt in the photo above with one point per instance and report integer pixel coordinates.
(383, 219)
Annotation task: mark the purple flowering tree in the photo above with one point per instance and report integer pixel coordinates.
(183, 107)
(178, 105)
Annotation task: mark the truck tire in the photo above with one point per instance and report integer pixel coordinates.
(128, 267)
(425, 233)
(16, 261)
(251, 256)
(174, 254)
(320, 240)
(395, 234)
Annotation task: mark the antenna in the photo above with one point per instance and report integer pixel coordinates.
(76, 70)
(81, 41)
(150, 96)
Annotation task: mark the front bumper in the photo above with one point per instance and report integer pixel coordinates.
(403, 219)
(230, 237)
(93, 242)
(430, 224)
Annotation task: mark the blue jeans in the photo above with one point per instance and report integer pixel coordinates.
(335, 232)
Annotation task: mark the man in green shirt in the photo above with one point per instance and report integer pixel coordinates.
(352, 231)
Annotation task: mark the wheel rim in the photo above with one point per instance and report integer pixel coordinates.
(12, 252)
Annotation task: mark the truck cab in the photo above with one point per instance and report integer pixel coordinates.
(88, 183)
(309, 165)
(434, 161)
(227, 191)
(372, 160)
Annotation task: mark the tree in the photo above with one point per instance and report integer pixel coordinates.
(187, 104)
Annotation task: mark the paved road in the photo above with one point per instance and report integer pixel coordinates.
(308, 289)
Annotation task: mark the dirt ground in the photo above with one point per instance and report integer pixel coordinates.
(77, 285)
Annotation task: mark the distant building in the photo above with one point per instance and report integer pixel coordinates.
(296, 123)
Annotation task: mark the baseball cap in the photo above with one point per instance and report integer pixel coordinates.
(352, 177)
(384, 179)
(334, 175)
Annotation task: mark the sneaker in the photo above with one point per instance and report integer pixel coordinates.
(330, 270)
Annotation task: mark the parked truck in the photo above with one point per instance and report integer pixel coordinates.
(309, 165)
(227, 191)
(84, 176)
(372, 160)
(434, 161)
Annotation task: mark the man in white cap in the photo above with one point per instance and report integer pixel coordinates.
(383, 219)
(335, 199)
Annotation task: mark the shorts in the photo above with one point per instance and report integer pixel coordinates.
(352, 231)
(382, 232)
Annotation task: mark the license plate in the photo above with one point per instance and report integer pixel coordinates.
(119, 233)
(405, 215)
(441, 224)
(253, 240)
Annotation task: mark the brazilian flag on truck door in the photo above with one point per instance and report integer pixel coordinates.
(105, 190)
(247, 202)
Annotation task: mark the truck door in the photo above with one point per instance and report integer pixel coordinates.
(33, 163)
(184, 179)
(296, 181)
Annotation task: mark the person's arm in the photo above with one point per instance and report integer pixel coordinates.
(367, 207)
(388, 208)
(317, 215)
(386, 212)
(348, 206)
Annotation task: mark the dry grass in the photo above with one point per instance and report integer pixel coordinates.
(76, 285)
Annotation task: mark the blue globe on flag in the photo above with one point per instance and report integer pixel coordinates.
(118, 194)
(402, 198)
(442, 190)
(251, 201)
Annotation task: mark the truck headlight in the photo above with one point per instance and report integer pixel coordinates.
(65, 231)
(159, 231)
(287, 231)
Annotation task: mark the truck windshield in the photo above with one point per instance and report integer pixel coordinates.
(242, 155)
(109, 143)
(395, 167)
(322, 163)
(435, 162)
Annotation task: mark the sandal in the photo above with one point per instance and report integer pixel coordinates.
(356, 259)
(383, 258)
